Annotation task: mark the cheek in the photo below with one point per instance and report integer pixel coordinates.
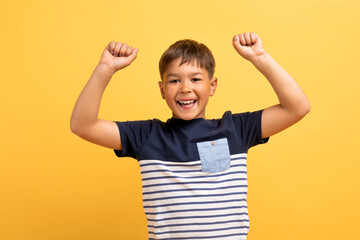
(204, 91)
(169, 96)
(170, 91)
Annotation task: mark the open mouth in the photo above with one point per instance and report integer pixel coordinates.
(186, 103)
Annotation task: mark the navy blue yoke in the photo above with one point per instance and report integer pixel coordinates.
(175, 140)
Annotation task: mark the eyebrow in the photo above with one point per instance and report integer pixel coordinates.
(175, 75)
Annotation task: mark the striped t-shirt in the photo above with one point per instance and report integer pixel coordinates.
(194, 176)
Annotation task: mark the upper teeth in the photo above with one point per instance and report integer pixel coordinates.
(186, 102)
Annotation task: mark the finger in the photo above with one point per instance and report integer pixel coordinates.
(247, 39)
(117, 49)
(253, 37)
(123, 50)
(107, 47)
(131, 57)
(242, 39)
(236, 43)
(133, 54)
(236, 40)
(129, 50)
(112, 46)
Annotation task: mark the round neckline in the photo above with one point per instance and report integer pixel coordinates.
(182, 121)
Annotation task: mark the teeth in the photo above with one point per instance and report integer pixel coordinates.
(186, 102)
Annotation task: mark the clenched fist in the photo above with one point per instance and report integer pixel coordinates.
(248, 45)
(118, 55)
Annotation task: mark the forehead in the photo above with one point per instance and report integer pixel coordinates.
(188, 68)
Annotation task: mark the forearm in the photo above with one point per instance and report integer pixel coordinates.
(86, 109)
(289, 93)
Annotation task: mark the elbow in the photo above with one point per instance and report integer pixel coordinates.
(74, 129)
(80, 128)
(76, 126)
(306, 107)
(303, 110)
(73, 125)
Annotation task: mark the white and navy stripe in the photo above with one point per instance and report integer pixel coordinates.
(182, 202)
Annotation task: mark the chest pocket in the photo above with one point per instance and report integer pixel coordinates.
(214, 155)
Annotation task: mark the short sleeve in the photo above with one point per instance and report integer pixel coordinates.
(133, 135)
(248, 124)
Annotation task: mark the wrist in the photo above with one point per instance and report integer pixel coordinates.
(260, 61)
(105, 69)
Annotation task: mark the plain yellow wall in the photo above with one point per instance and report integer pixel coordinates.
(303, 184)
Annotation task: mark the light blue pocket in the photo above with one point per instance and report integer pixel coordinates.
(214, 155)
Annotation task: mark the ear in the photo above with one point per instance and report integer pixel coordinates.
(161, 86)
(213, 85)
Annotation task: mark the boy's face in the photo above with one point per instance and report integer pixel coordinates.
(186, 89)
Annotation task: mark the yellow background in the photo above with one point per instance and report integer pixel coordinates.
(303, 184)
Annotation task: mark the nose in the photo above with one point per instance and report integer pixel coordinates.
(185, 86)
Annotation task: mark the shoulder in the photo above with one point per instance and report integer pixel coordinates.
(243, 120)
(144, 123)
(228, 115)
(245, 116)
(139, 128)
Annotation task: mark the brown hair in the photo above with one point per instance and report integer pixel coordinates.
(188, 50)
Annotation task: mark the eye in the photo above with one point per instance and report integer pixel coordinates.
(196, 79)
(174, 81)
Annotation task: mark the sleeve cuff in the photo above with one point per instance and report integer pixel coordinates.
(120, 153)
(261, 140)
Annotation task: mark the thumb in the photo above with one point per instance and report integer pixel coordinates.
(236, 43)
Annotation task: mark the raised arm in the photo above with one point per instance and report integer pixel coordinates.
(84, 119)
(293, 105)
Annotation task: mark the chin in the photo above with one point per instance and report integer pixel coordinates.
(183, 117)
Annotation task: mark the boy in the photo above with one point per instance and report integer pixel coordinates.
(193, 169)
